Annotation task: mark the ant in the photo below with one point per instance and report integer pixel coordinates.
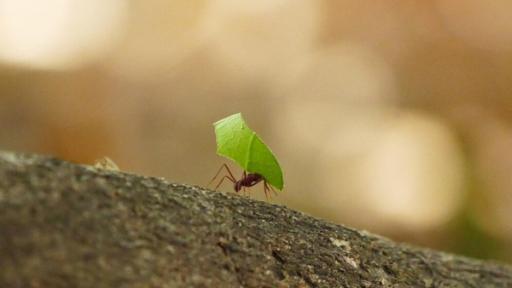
(247, 180)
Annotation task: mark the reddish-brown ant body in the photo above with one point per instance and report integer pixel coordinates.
(247, 180)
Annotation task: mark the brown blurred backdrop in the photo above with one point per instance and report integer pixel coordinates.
(391, 116)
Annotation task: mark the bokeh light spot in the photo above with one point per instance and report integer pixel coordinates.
(58, 34)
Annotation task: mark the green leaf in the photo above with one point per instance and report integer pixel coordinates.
(236, 141)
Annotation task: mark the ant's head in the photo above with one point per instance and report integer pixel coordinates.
(238, 186)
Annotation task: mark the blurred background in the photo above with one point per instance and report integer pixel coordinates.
(390, 116)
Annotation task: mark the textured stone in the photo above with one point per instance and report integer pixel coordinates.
(68, 225)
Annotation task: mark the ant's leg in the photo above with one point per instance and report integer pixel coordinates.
(222, 179)
(265, 190)
(269, 188)
(218, 172)
(272, 189)
(230, 173)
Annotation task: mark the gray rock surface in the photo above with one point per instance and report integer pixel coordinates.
(68, 225)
